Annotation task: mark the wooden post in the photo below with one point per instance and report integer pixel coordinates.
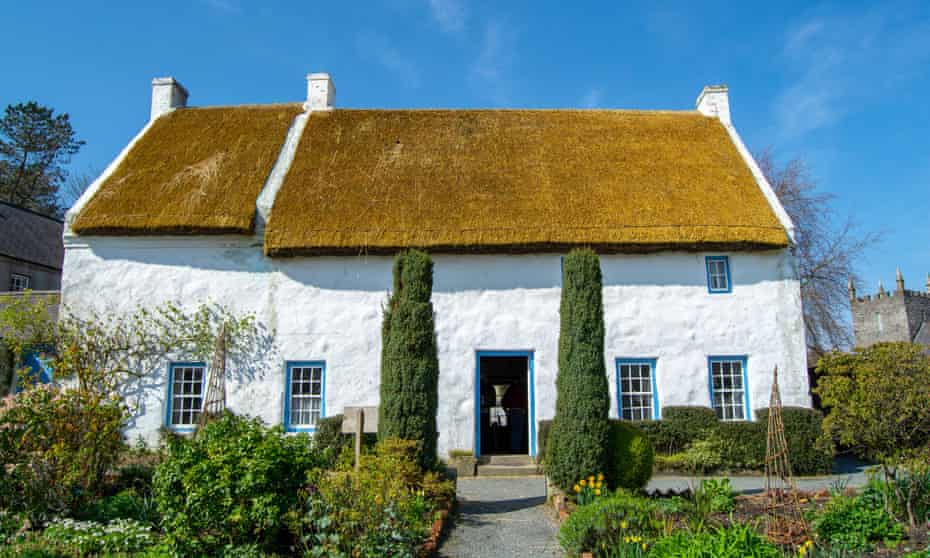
(359, 430)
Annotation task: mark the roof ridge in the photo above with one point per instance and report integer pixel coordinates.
(33, 211)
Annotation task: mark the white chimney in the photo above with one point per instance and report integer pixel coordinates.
(714, 100)
(321, 93)
(167, 95)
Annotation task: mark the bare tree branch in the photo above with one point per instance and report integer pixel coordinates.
(826, 252)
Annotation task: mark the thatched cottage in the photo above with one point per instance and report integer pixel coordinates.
(294, 211)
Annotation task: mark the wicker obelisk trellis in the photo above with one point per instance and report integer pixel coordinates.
(215, 401)
(784, 518)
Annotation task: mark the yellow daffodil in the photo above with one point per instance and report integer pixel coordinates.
(600, 476)
(623, 524)
(591, 479)
(583, 482)
(597, 491)
(577, 488)
(645, 546)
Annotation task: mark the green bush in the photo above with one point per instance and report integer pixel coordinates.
(383, 509)
(740, 445)
(578, 442)
(56, 445)
(855, 524)
(739, 541)
(542, 438)
(601, 526)
(409, 363)
(684, 425)
(233, 483)
(90, 538)
(126, 504)
(663, 438)
(631, 457)
(808, 449)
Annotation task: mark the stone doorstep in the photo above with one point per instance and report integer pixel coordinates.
(508, 470)
(513, 460)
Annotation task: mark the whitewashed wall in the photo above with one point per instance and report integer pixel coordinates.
(330, 309)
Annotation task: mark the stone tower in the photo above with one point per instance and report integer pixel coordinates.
(901, 315)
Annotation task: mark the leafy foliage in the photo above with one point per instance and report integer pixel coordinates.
(602, 525)
(383, 509)
(679, 427)
(232, 484)
(855, 524)
(35, 146)
(409, 363)
(739, 541)
(631, 457)
(811, 453)
(90, 538)
(578, 442)
(714, 496)
(877, 399)
(57, 446)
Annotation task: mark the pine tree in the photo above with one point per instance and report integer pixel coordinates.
(578, 442)
(409, 364)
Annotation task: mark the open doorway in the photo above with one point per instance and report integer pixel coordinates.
(504, 403)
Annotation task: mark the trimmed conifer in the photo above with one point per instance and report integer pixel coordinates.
(409, 362)
(578, 445)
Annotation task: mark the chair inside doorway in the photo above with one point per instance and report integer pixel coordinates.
(504, 405)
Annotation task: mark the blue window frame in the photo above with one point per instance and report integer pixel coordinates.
(304, 395)
(718, 274)
(729, 387)
(186, 386)
(637, 391)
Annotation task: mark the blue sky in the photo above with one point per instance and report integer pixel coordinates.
(845, 85)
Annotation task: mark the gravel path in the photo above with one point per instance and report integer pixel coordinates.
(502, 518)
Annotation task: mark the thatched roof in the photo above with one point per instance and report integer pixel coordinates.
(196, 170)
(517, 180)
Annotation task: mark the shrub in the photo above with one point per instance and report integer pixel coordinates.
(578, 442)
(542, 439)
(328, 440)
(684, 425)
(664, 442)
(57, 445)
(90, 538)
(383, 509)
(126, 504)
(601, 526)
(854, 524)
(233, 483)
(631, 457)
(740, 445)
(810, 453)
(714, 496)
(409, 363)
(739, 541)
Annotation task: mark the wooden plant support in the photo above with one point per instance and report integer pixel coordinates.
(215, 401)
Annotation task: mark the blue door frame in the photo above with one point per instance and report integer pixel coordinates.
(531, 395)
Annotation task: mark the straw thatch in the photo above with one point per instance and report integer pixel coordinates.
(517, 180)
(196, 170)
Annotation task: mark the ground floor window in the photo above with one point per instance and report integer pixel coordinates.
(19, 282)
(304, 400)
(637, 397)
(728, 390)
(185, 397)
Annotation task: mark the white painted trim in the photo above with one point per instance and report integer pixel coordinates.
(162, 242)
(96, 184)
(269, 192)
(763, 183)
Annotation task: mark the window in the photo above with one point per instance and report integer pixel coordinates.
(185, 398)
(718, 274)
(728, 392)
(304, 403)
(878, 322)
(19, 282)
(637, 398)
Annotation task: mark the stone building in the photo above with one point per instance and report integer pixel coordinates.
(902, 315)
(31, 250)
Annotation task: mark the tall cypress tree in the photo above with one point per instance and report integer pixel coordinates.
(409, 364)
(578, 442)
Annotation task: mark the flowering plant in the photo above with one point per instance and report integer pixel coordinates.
(587, 490)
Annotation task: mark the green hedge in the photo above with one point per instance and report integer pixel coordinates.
(631, 456)
(809, 450)
(693, 438)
